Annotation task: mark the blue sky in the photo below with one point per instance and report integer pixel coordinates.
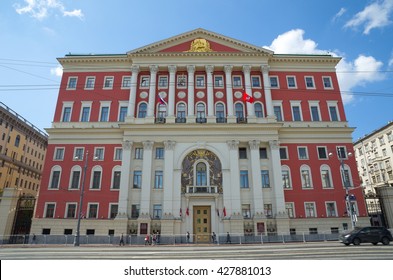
(33, 33)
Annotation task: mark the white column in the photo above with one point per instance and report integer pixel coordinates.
(168, 179)
(247, 82)
(191, 71)
(146, 176)
(152, 90)
(268, 93)
(124, 210)
(132, 98)
(171, 97)
(235, 203)
(256, 176)
(278, 190)
(228, 82)
(210, 98)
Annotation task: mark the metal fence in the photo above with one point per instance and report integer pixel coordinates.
(221, 239)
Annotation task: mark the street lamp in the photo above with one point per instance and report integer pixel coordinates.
(346, 186)
(77, 233)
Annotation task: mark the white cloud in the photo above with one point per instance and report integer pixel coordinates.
(58, 71)
(339, 14)
(40, 9)
(375, 15)
(364, 69)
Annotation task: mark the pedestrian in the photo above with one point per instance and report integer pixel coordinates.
(214, 237)
(228, 238)
(188, 237)
(121, 243)
(154, 239)
(147, 239)
(33, 239)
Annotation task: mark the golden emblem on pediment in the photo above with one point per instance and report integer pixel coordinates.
(200, 45)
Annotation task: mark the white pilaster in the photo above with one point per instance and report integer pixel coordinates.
(278, 190)
(247, 82)
(268, 93)
(168, 209)
(171, 97)
(256, 176)
(152, 90)
(191, 71)
(132, 98)
(210, 98)
(146, 176)
(124, 210)
(235, 203)
(228, 82)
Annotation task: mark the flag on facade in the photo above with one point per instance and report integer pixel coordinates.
(247, 97)
(224, 212)
(187, 212)
(161, 100)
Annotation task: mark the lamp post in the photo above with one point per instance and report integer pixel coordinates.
(77, 233)
(346, 186)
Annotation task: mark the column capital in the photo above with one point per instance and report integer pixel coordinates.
(191, 69)
(274, 144)
(148, 145)
(172, 68)
(233, 144)
(135, 68)
(169, 145)
(254, 144)
(209, 69)
(265, 68)
(246, 69)
(153, 69)
(127, 145)
(228, 69)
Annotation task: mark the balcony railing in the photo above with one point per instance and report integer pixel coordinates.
(241, 120)
(160, 120)
(201, 120)
(201, 189)
(221, 120)
(180, 120)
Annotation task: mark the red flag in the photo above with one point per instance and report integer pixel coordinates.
(247, 97)
(224, 211)
(161, 100)
(187, 212)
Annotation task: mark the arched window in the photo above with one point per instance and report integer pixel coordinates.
(258, 110)
(201, 176)
(142, 110)
(181, 113)
(17, 141)
(305, 173)
(201, 110)
(220, 112)
(239, 110)
(326, 177)
(161, 110)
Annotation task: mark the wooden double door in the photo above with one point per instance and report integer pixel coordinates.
(202, 223)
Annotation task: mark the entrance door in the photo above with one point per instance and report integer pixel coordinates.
(202, 223)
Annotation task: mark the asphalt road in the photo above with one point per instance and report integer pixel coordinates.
(297, 251)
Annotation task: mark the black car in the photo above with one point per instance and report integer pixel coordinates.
(367, 235)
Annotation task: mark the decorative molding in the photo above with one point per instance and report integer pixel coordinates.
(172, 68)
(209, 69)
(254, 144)
(228, 69)
(148, 145)
(135, 69)
(153, 69)
(127, 145)
(265, 69)
(274, 144)
(233, 144)
(191, 69)
(169, 145)
(246, 69)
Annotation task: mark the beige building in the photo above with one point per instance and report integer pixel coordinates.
(22, 154)
(374, 156)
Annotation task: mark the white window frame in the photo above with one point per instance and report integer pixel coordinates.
(102, 105)
(66, 210)
(95, 168)
(67, 104)
(259, 81)
(61, 158)
(298, 152)
(202, 84)
(314, 209)
(307, 168)
(333, 104)
(335, 209)
(99, 153)
(118, 154)
(330, 81)
(326, 167)
(112, 81)
(117, 168)
(277, 79)
(326, 152)
(294, 81)
(163, 81)
(85, 104)
(292, 207)
(123, 79)
(315, 104)
(53, 169)
(87, 82)
(110, 208)
(75, 168)
(313, 82)
(75, 156)
(286, 168)
(46, 210)
(296, 104)
(221, 84)
(144, 81)
(180, 79)
(69, 81)
(238, 78)
(88, 210)
(278, 104)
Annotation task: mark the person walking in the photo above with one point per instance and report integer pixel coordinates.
(121, 243)
(214, 237)
(147, 239)
(228, 238)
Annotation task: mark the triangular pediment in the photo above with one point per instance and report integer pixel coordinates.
(200, 41)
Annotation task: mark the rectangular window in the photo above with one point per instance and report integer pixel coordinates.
(296, 114)
(96, 184)
(104, 114)
(158, 179)
(306, 179)
(181, 81)
(66, 114)
(291, 82)
(76, 174)
(309, 208)
(309, 82)
(242, 153)
(93, 211)
(268, 210)
(237, 81)
(118, 154)
(290, 208)
(157, 211)
(333, 113)
(126, 82)
(331, 209)
(99, 154)
(262, 153)
(108, 83)
(145, 82)
(116, 180)
(85, 114)
(286, 182)
(246, 211)
(302, 152)
(72, 82)
(138, 153)
(322, 153)
(123, 113)
(55, 180)
(59, 154)
(78, 155)
(244, 179)
(341, 152)
(200, 81)
(159, 153)
(265, 178)
(137, 183)
(50, 210)
(325, 176)
(218, 81)
(283, 153)
(114, 209)
(135, 211)
(71, 210)
(315, 113)
(327, 82)
(274, 82)
(277, 113)
(163, 81)
(90, 83)
(255, 81)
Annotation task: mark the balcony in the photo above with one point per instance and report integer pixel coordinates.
(205, 191)
(241, 120)
(180, 120)
(221, 120)
(160, 120)
(201, 120)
